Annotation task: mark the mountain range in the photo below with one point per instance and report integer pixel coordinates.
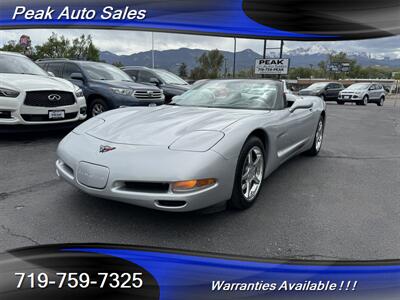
(300, 57)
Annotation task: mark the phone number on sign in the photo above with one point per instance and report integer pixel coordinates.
(80, 280)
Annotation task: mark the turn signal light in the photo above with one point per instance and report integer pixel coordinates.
(192, 185)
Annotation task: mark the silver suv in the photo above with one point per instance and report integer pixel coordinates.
(362, 94)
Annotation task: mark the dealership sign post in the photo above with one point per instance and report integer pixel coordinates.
(272, 66)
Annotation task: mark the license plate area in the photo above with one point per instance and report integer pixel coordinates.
(92, 175)
(56, 114)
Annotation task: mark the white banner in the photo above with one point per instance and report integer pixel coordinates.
(272, 66)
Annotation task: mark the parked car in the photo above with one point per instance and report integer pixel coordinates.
(363, 93)
(224, 139)
(30, 96)
(171, 84)
(326, 90)
(104, 86)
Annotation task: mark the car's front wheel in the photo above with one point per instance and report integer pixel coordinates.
(318, 138)
(381, 100)
(97, 106)
(249, 174)
(365, 100)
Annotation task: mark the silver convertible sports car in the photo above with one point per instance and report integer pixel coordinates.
(216, 142)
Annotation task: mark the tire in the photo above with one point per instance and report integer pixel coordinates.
(245, 191)
(380, 102)
(96, 107)
(365, 100)
(340, 102)
(318, 138)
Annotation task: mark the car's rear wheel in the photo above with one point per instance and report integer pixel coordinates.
(97, 106)
(318, 138)
(249, 174)
(381, 100)
(365, 100)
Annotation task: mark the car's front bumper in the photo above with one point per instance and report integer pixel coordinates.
(107, 173)
(15, 112)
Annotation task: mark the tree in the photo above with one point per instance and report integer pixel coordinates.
(182, 70)
(12, 46)
(210, 64)
(81, 48)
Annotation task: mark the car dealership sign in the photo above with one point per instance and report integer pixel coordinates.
(272, 66)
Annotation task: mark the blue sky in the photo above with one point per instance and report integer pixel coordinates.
(128, 42)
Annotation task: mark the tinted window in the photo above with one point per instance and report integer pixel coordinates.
(331, 86)
(55, 68)
(132, 73)
(144, 76)
(69, 69)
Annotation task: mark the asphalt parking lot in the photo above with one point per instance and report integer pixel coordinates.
(344, 204)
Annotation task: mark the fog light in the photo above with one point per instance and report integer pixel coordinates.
(83, 111)
(192, 185)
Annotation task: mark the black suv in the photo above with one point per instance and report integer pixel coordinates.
(171, 84)
(325, 90)
(104, 86)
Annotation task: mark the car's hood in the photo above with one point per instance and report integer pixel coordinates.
(179, 87)
(127, 84)
(162, 125)
(25, 82)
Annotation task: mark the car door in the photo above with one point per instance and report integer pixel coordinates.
(296, 128)
(330, 91)
(373, 93)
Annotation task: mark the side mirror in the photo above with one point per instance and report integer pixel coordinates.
(51, 74)
(77, 76)
(154, 81)
(301, 103)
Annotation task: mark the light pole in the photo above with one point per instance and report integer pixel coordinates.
(234, 58)
(152, 49)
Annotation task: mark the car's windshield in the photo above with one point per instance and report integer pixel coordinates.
(318, 85)
(101, 71)
(170, 78)
(359, 86)
(240, 94)
(19, 65)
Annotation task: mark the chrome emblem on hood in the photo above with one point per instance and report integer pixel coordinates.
(104, 149)
(54, 97)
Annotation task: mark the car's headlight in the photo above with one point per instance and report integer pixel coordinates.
(192, 185)
(78, 91)
(197, 141)
(123, 92)
(8, 93)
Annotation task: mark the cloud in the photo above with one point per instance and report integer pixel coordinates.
(128, 42)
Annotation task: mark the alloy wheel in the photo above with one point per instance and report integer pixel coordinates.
(97, 109)
(252, 173)
(319, 135)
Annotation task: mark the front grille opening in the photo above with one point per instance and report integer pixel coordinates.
(5, 114)
(45, 118)
(146, 187)
(171, 203)
(147, 94)
(49, 98)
